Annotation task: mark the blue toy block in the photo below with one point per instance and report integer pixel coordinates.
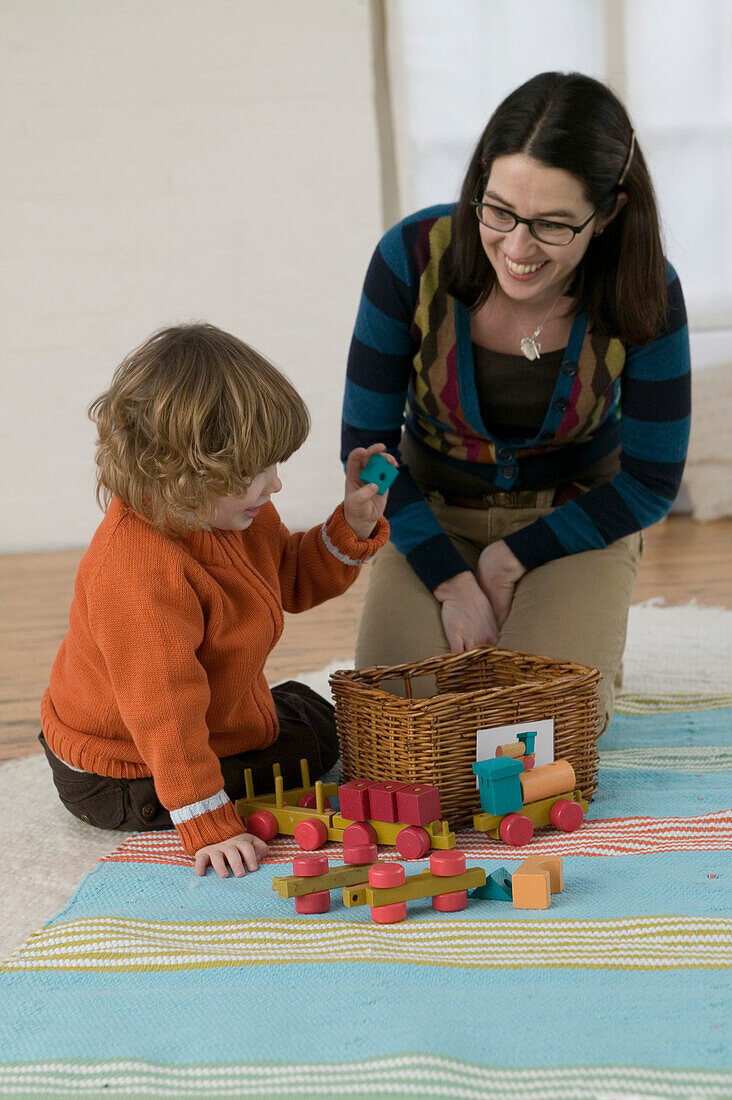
(497, 887)
(529, 740)
(499, 785)
(380, 472)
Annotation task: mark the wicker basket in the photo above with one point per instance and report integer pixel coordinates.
(432, 740)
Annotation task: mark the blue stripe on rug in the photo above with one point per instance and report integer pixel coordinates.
(699, 727)
(659, 793)
(681, 883)
(321, 1013)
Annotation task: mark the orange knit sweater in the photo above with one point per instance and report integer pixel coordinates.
(162, 670)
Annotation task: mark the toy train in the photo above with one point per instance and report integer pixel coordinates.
(406, 815)
(516, 797)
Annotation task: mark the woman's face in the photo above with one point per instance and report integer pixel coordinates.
(527, 269)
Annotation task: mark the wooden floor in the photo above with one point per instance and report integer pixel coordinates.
(683, 560)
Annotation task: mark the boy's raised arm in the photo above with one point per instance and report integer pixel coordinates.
(323, 562)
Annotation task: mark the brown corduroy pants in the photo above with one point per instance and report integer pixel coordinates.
(573, 608)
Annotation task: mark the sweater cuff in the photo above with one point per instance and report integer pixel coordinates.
(210, 826)
(535, 544)
(341, 541)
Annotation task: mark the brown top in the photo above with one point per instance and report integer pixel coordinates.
(514, 392)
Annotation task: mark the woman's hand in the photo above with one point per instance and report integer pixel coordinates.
(467, 615)
(363, 505)
(236, 852)
(498, 571)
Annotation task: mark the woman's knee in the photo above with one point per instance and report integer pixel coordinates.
(401, 619)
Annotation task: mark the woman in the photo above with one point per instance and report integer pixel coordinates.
(524, 354)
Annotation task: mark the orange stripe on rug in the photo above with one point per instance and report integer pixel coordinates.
(622, 836)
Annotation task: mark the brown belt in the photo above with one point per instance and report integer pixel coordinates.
(522, 498)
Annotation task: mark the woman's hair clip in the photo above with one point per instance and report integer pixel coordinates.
(629, 160)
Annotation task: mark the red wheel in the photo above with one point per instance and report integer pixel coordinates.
(310, 834)
(450, 903)
(313, 903)
(516, 829)
(449, 863)
(389, 914)
(360, 832)
(262, 824)
(413, 842)
(309, 801)
(385, 875)
(310, 866)
(566, 815)
(360, 853)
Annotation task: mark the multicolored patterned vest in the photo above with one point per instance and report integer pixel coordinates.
(442, 403)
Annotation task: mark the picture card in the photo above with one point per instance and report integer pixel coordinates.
(488, 740)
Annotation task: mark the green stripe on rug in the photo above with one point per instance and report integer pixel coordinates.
(698, 758)
(638, 703)
(417, 1075)
(636, 943)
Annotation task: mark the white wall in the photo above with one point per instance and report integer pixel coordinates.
(168, 160)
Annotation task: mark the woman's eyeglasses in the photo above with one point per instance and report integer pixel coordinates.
(548, 232)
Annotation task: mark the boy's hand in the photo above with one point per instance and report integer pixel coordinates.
(363, 505)
(236, 852)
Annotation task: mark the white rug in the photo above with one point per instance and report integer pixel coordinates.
(45, 852)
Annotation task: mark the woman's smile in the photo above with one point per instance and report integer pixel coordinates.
(523, 271)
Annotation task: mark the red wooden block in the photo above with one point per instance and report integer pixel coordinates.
(354, 800)
(383, 800)
(418, 804)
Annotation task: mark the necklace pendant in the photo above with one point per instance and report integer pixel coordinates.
(530, 347)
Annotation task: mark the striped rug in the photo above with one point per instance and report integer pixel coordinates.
(155, 983)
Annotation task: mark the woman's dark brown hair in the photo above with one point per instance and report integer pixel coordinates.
(572, 122)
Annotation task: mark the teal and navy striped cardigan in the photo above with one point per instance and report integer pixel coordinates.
(411, 368)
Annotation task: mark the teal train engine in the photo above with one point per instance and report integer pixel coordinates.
(516, 797)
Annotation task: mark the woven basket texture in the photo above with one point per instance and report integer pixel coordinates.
(432, 740)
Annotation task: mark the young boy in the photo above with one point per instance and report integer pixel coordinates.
(157, 700)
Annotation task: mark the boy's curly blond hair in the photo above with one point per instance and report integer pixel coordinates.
(192, 414)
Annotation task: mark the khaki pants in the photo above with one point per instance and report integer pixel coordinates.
(573, 608)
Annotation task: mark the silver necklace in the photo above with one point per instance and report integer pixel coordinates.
(530, 346)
